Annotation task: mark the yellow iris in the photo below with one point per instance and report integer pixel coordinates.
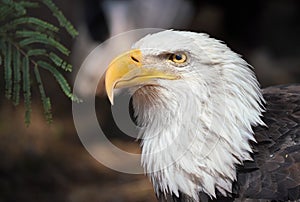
(178, 58)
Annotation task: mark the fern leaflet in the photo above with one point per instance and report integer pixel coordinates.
(8, 71)
(29, 20)
(26, 89)
(17, 76)
(45, 100)
(60, 62)
(36, 52)
(61, 18)
(37, 37)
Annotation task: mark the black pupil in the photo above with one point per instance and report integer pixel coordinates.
(178, 57)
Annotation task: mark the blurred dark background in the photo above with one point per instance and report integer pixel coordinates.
(48, 163)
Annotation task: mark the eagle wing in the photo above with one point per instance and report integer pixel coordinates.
(275, 172)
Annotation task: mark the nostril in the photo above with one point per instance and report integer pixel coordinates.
(134, 59)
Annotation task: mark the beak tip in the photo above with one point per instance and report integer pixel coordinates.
(111, 99)
(109, 92)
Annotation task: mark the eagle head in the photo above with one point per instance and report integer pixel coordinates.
(195, 101)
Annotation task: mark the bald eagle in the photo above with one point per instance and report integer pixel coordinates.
(208, 132)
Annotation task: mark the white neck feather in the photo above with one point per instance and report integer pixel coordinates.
(195, 132)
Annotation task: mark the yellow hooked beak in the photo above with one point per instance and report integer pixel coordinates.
(127, 70)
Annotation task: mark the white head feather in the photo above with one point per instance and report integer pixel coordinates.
(197, 128)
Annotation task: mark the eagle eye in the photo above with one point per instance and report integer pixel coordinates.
(178, 58)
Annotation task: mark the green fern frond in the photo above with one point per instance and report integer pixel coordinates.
(8, 71)
(10, 7)
(60, 79)
(17, 76)
(25, 4)
(38, 37)
(28, 4)
(60, 62)
(26, 89)
(5, 10)
(36, 52)
(20, 10)
(61, 18)
(30, 42)
(45, 100)
(29, 20)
